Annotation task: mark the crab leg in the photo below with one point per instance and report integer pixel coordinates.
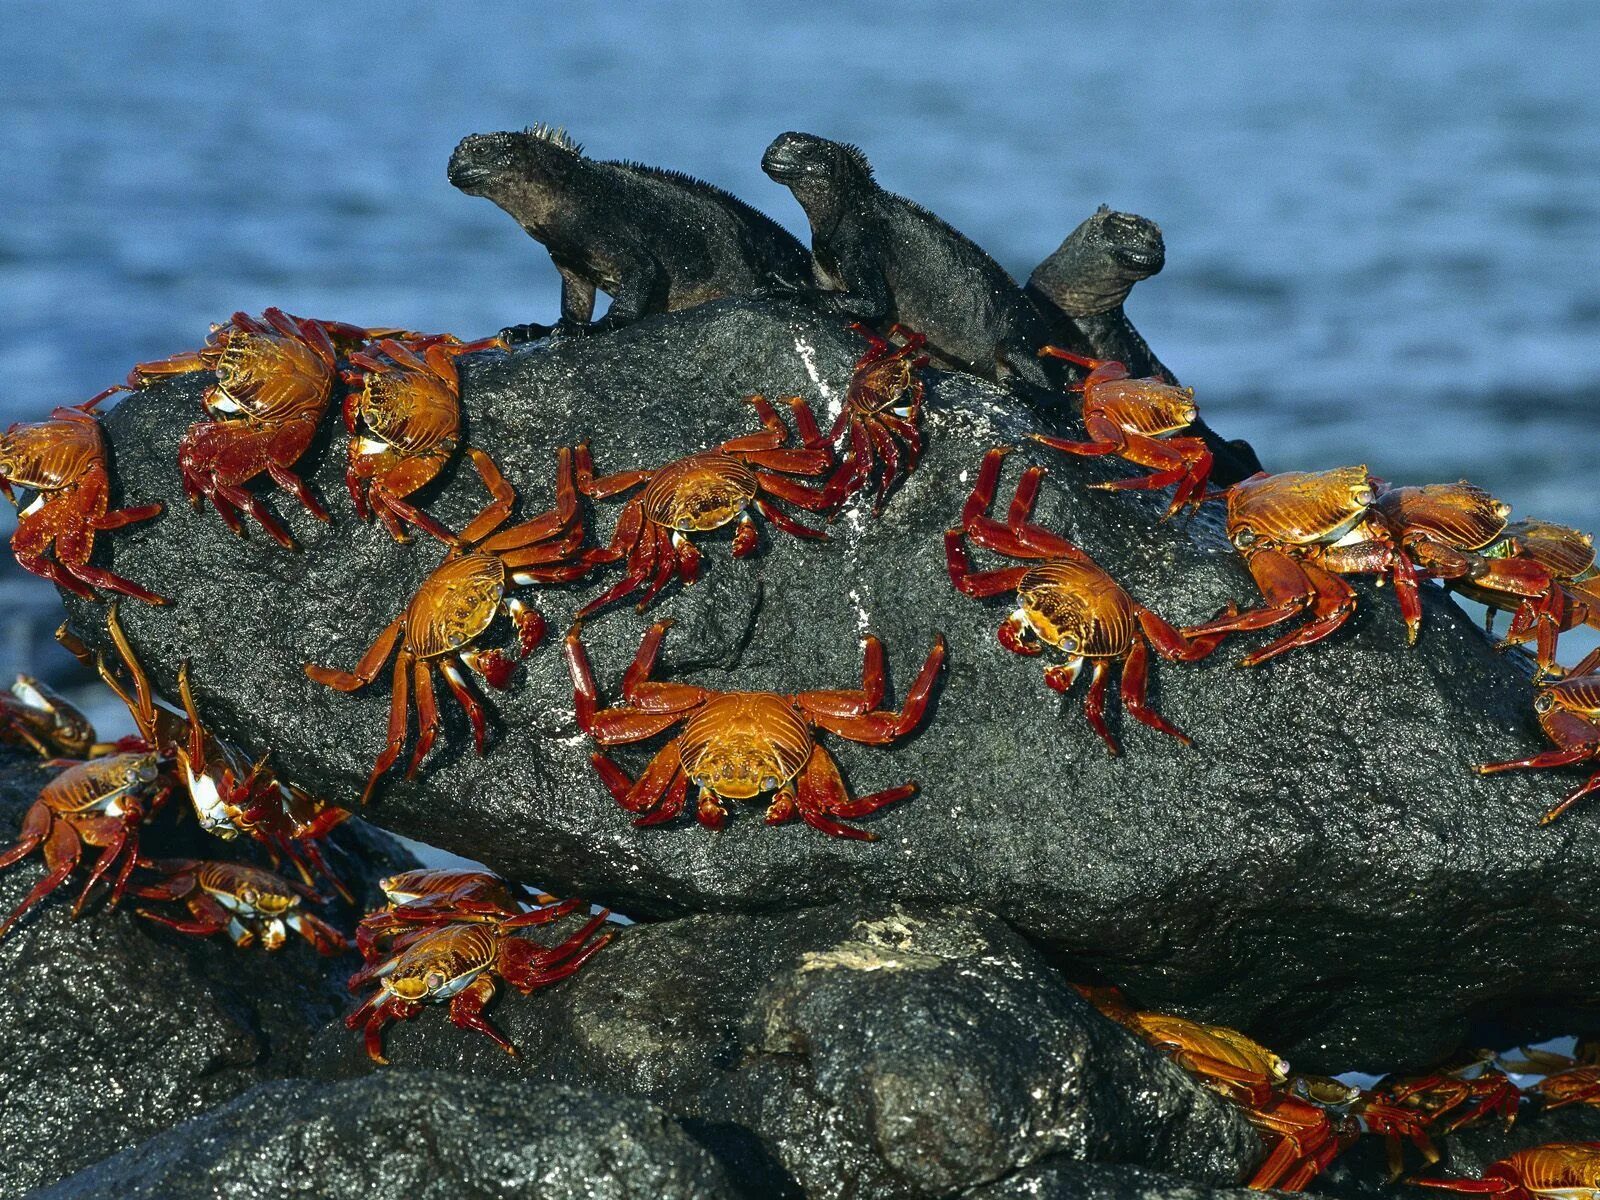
(466, 1012)
(847, 703)
(821, 795)
(605, 485)
(502, 497)
(367, 669)
(399, 719)
(62, 851)
(1135, 675)
(787, 523)
(981, 584)
(1094, 705)
(467, 701)
(670, 805)
(881, 728)
(116, 835)
(427, 716)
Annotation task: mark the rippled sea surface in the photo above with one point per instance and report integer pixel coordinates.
(1382, 220)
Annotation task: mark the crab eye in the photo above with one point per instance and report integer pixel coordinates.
(434, 980)
(768, 783)
(1069, 644)
(1244, 537)
(250, 896)
(1543, 702)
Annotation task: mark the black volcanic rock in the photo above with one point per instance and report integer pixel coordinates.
(422, 1135)
(1320, 868)
(114, 1028)
(880, 1051)
(1101, 1181)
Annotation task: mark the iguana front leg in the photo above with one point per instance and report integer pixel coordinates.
(577, 308)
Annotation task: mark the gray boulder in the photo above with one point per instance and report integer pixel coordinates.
(1320, 868)
(880, 1051)
(417, 1135)
(115, 1028)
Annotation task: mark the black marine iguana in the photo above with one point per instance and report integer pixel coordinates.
(653, 240)
(880, 258)
(1089, 277)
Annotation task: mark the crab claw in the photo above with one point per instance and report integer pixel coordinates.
(1016, 635)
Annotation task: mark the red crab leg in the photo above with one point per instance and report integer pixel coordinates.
(367, 669)
(981, 584)
(811, 499)
(1172, 644)
(117, 518)
(62, 850)
(605, 485)
(670, 805)
(1571, 798)
(787, 523)
(1094, 705)
(293, 484)
(1135, 674)
(889, 454)
(466, 1012)
(656, 695)
(208, 917)
(806, 425)
(468, 702)
(502, 496)
(856, 468)
(821, 796)
(773, 434)
(666, 556)
(852, 703)
(610, 726)
(881, 728)
(1331, 603)
(427, 716)
(1484, 1186)
(115, 834)
(652, 784)
(399, 512)
(399, 718)
(539, 916)
(640, 547)
(790, 460)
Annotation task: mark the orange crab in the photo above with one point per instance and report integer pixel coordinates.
(1306, 1137)
(274, 381)
(455, 606)
(1135, 420)
(740, 745)
(1569, 713)
(423, 898)
(457, 964)
(881, 416)
(1298, 532)
(1371, 1114)
(706, 491)
(1065, 601)
(34, 716)
(1557, 1171)
(63, 462)
(1568, 555)
(1457, 533)
(248, 904)
(404, 416)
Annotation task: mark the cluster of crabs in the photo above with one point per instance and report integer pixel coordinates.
(444, 937)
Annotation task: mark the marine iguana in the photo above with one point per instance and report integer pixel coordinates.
(1089, 277)
(880, 258)
(653, 240)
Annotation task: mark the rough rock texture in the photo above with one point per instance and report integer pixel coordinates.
(887, 1051)
(422, 1135)
(1100, 1181)
(112, 1028)
(1320, 868)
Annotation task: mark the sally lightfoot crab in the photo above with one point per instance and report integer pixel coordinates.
(457, 964)
(33, 715)
(1569, 713)
(274, 381)
(421, 899)
(248, 904)
(455, 607)
(1556, 1171)
(740, 745)
(403, 412)
(1136, 420)
(705, 491)
(1065, 601)
(63, 462)
(881, 417)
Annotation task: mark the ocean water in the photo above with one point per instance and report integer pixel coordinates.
(1382, 220)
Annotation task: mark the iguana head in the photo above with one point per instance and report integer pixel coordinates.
(1099, 262)
(482, 162)
(815, 169)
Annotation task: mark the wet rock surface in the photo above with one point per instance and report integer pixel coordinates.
(423, 1135)
(1101, 1181)
(1320, 868)
(891, 1050)
(114, 1028)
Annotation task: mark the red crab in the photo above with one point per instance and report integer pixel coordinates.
(34, 716)
(454, 608)
(1065, 601)
(1557, 1171)
(457, 963)
(740, 745)
(1134, 419)
(706, 491)
(1298, 532)
(63, 462)
(1569, 714)
(404, 416)
(881, 415)
(424, 898)
(274, 380)
(248, 904)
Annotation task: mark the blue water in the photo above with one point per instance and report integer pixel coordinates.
(1382, 220)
